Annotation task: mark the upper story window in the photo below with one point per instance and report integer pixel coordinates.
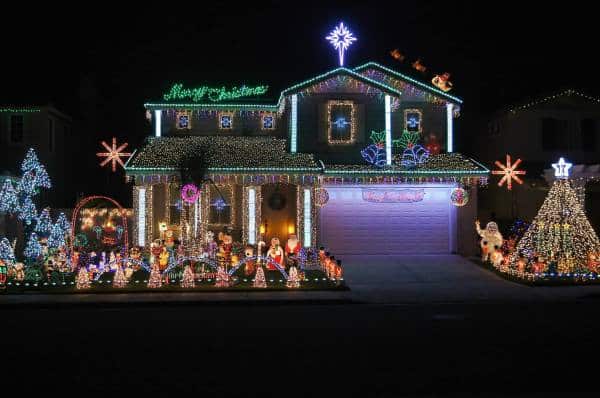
(225, 121)
(16, 129)
(268, 122)
(555, 135)
(182, 121)
(341, 119)
(412, 120)
(588, 135)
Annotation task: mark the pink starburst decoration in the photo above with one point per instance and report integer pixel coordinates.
(114, 154)
(508, 172)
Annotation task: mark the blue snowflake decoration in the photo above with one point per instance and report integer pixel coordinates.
(374, 154)
(183, 122)
(414, 155)
(225, 121)
(268, 123)
(341, 123)
(219, 204)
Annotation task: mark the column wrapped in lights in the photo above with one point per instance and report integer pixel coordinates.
(449, 127)
(294, 124)
(307, 214)
(251, 216)
(141, 216)
(157, 122)
(388, 130)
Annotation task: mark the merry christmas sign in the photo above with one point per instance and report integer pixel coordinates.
(393, 195)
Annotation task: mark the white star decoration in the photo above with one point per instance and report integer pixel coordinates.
(561, 169)
(114, 154)
(509, 172)
(341, 38)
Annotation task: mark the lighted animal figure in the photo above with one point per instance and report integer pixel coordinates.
(250, 265)
(418, 65)
(339, 271)
(275, 253)
(397, 55)
(292, 248)
(19, 271)
(442, 82)
(163, 259)
(491, 239)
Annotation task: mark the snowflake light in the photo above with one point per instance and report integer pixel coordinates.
(114, 154)
(341, 38)
(509, 172)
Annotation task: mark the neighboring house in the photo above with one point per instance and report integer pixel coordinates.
(295, 166)
(539, 131)
(49, 132)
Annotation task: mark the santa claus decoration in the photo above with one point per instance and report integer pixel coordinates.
(292, 248)
(433, 145)
(276, 254)
(491, 239)
(442, 82)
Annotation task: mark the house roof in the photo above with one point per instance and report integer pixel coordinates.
(533, 101)
(218, 154)
(354, 73)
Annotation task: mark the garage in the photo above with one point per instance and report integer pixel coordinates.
(389, 219)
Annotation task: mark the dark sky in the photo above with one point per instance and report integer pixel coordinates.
(101, 64)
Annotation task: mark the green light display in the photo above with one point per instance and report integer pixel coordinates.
(214, 94)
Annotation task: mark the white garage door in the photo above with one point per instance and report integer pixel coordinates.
(383, 219)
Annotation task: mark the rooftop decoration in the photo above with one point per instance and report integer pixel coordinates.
(442, 82)
(561, 169)
(213, 94)
(508, 172)
(114, 154)
(341, 38)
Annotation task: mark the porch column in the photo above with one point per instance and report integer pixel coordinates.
(388, 130)
(251, 214)
(157, 122)
(142, 203)
(449, 127)
(307, 216)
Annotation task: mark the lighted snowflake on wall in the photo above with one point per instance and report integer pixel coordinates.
(508, 172)
(114, 154)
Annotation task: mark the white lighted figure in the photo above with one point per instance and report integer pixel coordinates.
(561, 169)
(341, 38)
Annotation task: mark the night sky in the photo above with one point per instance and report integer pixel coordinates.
(101, 65)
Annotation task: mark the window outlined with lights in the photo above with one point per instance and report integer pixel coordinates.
(183, 120)
(413, 120)
(267, 121)
(225, 120)
(341, 122)
(221, 206)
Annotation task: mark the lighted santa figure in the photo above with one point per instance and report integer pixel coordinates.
(292, 248)
(491, 239)
(275, 253)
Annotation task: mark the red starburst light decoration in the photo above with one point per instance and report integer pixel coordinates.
(509, 172)
(114, 154)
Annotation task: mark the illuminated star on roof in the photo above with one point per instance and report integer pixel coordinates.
(341, 38)
(114, 154)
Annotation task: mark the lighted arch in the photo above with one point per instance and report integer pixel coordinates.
(267, 260)
(88, 199)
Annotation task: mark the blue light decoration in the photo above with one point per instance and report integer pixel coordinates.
(98, 231)
(9, 201)
(268, 122)
(374, 154)
(44, 223)
(341, 38)
(57, 237)
(28, 211)
(183, 121)
(34, 173)
(414, 155)
(7, 254)
(119, 230)
(33, 249)
(561, 169)
(219, 204)
(64, 223)
(341, 123)
(225, 122)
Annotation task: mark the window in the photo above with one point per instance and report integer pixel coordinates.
(183, 121)
(51, 135)
(220, 206)
(412, 120)
(341, 118)
(268, 122)
(16, 129)
(225, 121)
(588, 135)
(554, 135)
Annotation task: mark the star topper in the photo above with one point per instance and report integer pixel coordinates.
(561, 169)
(509, 172)
(114, 154)
(341, 38)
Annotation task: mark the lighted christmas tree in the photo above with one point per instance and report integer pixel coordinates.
(155, 280)
(259, 279)
(9, 201)
(293, 280)
(34, 174)
(7, 254)
(560, 233)
(43, 225)
(187, 280)
(64, 223)
(28, 212)
(57, 237)
(222, 279)
(83, 279)
(33, 249)
(119, 279)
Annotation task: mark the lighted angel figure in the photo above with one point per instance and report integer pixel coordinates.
(491, 241)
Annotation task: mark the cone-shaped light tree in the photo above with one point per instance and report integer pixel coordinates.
(560, 235)
(119, 279)
(187, 279)
(9, 201)
(7, 254)
(259, 279)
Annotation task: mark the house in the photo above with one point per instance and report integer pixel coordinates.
(48, 131)
(329, 161)
(540, 130)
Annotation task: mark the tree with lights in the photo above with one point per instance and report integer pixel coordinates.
(187, 280)
(560, 238)
(83, 279)
(259, 279)
(64, 223)
(7, 255)
(57, 237)
(119, 279)
(43, 226)
(33, 249)
(27, 210)
(155, 280)
(222, 279)
(9, 201)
